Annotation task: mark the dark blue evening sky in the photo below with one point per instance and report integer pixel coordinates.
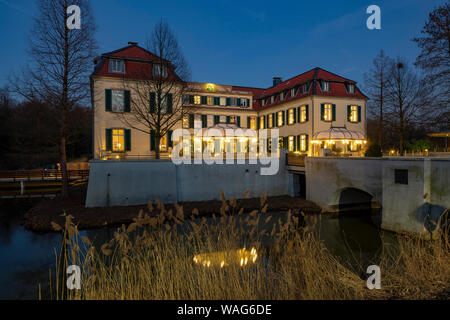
(244, 42)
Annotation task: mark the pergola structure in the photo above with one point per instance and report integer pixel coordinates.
(338, 138)
(444, 135)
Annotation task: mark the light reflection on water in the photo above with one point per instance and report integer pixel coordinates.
(26, 258)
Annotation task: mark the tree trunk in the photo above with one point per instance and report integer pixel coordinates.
(157, 151)
(64, 176)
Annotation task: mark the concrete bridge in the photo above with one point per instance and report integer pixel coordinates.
(412, 192)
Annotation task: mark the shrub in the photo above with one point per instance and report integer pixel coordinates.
(374, 150)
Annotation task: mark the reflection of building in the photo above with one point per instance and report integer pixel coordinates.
(301, 108)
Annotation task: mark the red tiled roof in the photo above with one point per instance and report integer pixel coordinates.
(138, 64)
(135, 57)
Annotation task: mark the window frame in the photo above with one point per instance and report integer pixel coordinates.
(113, 62)
(353, 113)
(162, 70)
(303, 114)
(112, 100)
(325, 112)
(112, 140)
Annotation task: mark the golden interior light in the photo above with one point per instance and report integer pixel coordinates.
(241, 257)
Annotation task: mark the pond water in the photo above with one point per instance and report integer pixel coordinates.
(28, 259)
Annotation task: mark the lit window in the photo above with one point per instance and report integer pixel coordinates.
(118, 139)
(117, 66)
(280, 118)
(261, 122)
(163, 143)
(303, 115)
(118, 101)
(185, 121)
(325, 86)
(253, 123)
(210, 100)
(327, 112)
(291, 116)
(354, 146)
(353, 113)
(303, 145)
(159, 71)
(223, 101)
(291, 143)
(270, 121)
(197, 100)
(232, 119)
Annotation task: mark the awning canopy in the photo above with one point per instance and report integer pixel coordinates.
(220, 130)
(338, 133)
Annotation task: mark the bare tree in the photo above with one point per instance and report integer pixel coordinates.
(158, 87)
(434, 59)
(60, 64)
(407, 97)
(376, 81)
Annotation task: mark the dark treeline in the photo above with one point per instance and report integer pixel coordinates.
(30, 136)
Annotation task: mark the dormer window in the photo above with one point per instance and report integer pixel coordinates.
(116, 66)
(159, 71)
(281, 96)
(292, 92)
(325, 86)
(305, 88)
(272, 99)
(351, 88)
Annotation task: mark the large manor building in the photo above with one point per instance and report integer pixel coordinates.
(317, 112)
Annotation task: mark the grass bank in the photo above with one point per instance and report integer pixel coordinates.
(164, 257)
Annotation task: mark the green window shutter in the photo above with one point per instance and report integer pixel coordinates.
(108, 139)
(152, 140)
(239, 102)
(258, 123)
(127, 101)
(169, 103)
(127, 140)
(286, 120)
(266, 120)
(295, 115)
(216, 119)
(274, 120)
(228, 101)
(285, 143)
(359, 113)
(333, 112)
(248, 102)
(191, 99)
(349, 112)
(169, 138)
(191, 120)
(248, 122)
(284, 117)
(216, 101)
(108, 100)
(322, 111)
(238, 121)
(307, 112)
(204, 100)
(152, 102)
(306, 142)
(228, 119)
(204, 120)
(298, 140)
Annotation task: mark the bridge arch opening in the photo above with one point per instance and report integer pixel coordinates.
(353, 200)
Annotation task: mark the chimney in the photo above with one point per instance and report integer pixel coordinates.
(276, 81)
(132, 43)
